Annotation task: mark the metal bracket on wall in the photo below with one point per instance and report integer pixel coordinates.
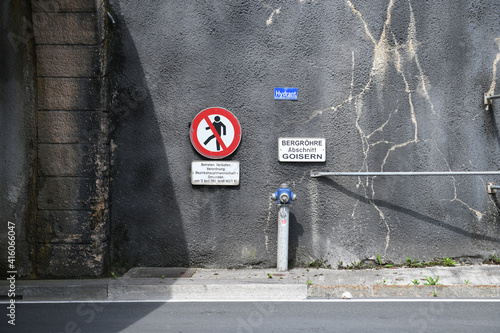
(488, 98)
(492, 188)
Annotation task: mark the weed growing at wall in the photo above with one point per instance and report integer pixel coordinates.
(379, 263)
(494, 259)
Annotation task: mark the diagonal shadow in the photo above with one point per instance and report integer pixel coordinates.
(495, 201)
(409, 212)
(146, 221)
(493, 122)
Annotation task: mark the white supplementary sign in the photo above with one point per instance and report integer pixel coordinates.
(302, 149)
(215, 173)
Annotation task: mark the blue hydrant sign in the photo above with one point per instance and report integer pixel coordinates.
(302, 149)
(285, 93)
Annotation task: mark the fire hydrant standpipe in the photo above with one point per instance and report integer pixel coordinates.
(284, 197)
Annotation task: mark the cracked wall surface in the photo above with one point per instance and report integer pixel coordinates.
(395, 85)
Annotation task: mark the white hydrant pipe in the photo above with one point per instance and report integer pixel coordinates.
(283, 235)
(284, 197)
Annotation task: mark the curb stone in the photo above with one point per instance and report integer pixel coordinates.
(182, 284)
(384, 291)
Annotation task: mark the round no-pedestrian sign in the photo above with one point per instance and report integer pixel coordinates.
(215, 133)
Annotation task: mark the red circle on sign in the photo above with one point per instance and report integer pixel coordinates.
(201, 137)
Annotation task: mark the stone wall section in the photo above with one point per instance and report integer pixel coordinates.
(73, 140)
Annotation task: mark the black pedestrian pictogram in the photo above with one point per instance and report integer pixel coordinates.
(219, 126)
(213, 123)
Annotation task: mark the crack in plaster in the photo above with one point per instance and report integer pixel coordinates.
(274, 12)
(269, 21)
(410, 48)
(477, 213)
(413, 44)
(347, 101)
(495, 64)
(384, 54)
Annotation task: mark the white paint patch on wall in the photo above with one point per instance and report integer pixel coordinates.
(269, 21)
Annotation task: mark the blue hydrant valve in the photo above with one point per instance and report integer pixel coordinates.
(284, 195)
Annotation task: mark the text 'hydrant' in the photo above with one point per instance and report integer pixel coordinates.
(284, 197)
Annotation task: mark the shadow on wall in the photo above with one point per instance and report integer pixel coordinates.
(495, 201)
(493, 122)
(409, 212)
(296, 230)
(17, 135)
(146, 222)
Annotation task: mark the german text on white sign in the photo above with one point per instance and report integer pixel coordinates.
(302, 149)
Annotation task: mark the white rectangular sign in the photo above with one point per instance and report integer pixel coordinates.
(302, 149)
(215, 173)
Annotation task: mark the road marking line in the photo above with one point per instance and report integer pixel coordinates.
(336, 300)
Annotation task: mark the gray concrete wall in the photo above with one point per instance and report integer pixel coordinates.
(17, 135)
(392, 86)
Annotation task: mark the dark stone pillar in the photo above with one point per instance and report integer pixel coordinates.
(73, 144)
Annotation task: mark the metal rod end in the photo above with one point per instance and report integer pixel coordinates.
(486, 100)
(490, 188)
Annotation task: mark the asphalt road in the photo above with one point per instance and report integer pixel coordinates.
(307, 316)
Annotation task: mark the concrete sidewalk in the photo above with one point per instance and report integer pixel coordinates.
(194, 284)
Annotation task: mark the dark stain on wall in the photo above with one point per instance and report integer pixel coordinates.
(17, 134)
